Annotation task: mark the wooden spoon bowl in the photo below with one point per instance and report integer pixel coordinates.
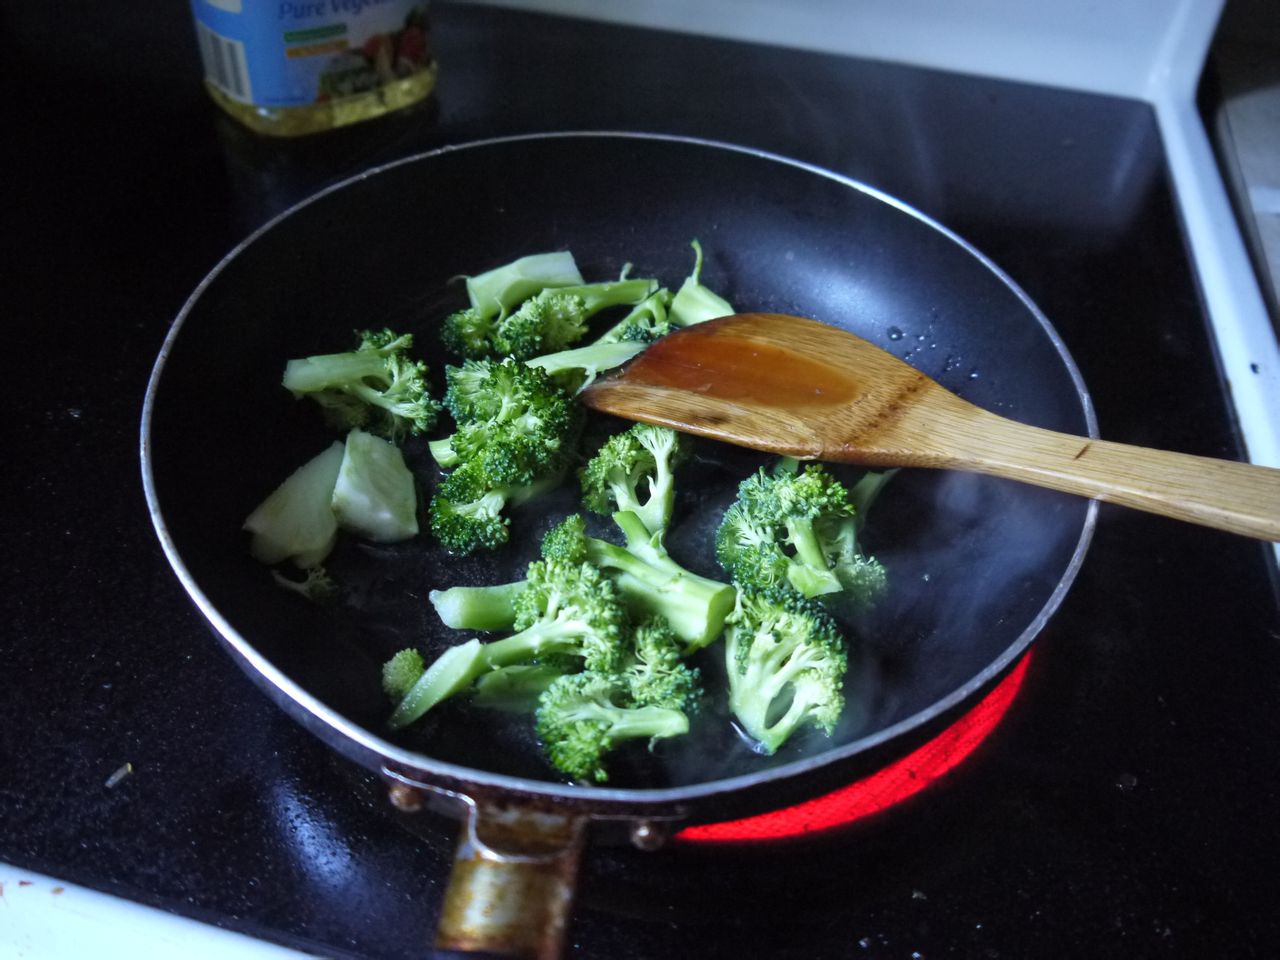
(804, 389)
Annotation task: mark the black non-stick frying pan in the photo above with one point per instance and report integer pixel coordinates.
(977, 565)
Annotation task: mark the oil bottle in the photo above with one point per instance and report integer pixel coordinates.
(293, 67)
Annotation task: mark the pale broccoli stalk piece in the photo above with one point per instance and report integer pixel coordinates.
(579, 367)
(493, 294)
(478, 608)
(503, 288)
(634, 470)
(296, 522)
(566, 608)
(375, 495)
(649, 580)
(694, 302)
(786, 663)
(376, 386)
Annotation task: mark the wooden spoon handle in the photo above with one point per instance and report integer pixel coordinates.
(1238, 497)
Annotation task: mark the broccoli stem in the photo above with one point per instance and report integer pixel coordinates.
(443, 453)
(810, 576)
(312, 374)
(695, 303)
(478, 608)
(452, 672)
(502, 288)
(653, 583)
(632, 723)
(541, 639)
(515, 689)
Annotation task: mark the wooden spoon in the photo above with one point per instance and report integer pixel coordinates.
(811, 391)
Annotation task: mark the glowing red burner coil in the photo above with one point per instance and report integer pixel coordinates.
(880, 790)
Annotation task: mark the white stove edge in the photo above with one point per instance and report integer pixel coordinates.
(42, 918)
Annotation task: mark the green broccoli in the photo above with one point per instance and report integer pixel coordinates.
(467, 509)
(401, 672)
(656, 671)
(694, 302)
(296, 522)
(515, 432)
(798, 529)
(478, 608)
(565, 608)
(507, 405)
(375, 495)
(786, 663)
(316, 585)
(648, 578)
(493, 294)
(376, 386)
(633, 470)
(554, 320)
(516, 689)
(583, 716)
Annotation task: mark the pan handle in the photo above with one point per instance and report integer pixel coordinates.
(510, 892)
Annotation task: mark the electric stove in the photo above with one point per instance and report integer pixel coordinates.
(1113, 794)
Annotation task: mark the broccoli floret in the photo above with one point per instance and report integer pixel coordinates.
(786, 663)
(657, 674)
(401, 672)
(316, 585)
(797, 529)
(467, 509)
(375, 495)
(565, 609)
(577, 368)
(510, 407)
(296, 522)
(583, 716)
(516, 430)
(650, 581)
(469, 332)
(694, 302)
(633, 471)
(646, 322)
(478, 608)
(376, 386)
(556, 319)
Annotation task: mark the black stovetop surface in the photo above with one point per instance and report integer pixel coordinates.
(1127, 803)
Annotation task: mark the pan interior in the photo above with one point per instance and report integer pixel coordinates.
(974, 562)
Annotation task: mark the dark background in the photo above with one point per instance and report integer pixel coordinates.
(1125, 806)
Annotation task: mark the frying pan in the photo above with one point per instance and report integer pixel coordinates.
(977, 565)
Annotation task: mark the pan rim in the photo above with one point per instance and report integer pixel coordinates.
(406, 761)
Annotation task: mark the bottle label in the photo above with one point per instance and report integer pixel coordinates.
(292, 53)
